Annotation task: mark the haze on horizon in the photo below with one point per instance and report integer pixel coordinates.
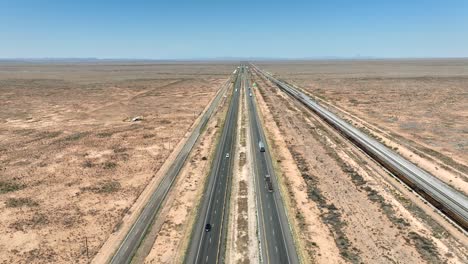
(233, 29)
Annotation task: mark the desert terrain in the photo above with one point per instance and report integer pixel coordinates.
(346, 208)
(243, 228)
(81, 144)
(72, 161)
(420, 102)
(170, 234)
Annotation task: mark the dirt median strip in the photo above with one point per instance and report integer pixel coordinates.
(242, 226)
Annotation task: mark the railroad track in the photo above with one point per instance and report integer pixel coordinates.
(449, 201)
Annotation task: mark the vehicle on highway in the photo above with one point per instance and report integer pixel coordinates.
(250, 94)
(450, 201)
(261, 146)
(207, 227)
(227, 155)
(268, 183)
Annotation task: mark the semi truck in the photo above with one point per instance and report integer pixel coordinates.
(269, 185)
(261, 146)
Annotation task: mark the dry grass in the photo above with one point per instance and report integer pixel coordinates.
(19, 202)
(421, 102)
(66, 139)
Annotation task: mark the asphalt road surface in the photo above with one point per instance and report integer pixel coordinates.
(136, 234)
(209, 246)
(451, 202)
(276, 242)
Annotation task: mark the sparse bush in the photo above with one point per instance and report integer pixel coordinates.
(88, 164)
(104, 134)
(19, 202)
(6, 186)
(109, 187)
(119, 149)
(330, 213)
(104, 187)
(50, 134)
(117, 226)
(37, 219)
(75, 136)
(109, 165)
(148, 135)
(242, 159)
(425, 247)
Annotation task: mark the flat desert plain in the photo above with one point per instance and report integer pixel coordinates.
(422, 102)
(72, 162)
(343, 206)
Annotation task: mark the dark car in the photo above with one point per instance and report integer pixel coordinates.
(207, 228)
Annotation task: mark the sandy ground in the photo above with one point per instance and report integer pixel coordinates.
(315, 241)
(437, 165)
(420, 103)
(368, 220)
(105, 72)
(172, 237)
(72, 163)
(242, 242)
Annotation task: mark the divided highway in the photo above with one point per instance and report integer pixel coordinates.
(208, 242)
(453, 203)
(276, 241)
(136, 234)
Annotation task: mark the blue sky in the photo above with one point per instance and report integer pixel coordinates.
(213, 29)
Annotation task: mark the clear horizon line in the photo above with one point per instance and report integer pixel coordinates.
(227, 58)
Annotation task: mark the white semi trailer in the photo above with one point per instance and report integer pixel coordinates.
(261, 146)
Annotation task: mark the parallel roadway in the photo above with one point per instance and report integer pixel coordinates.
(137, 232)
(209, 246)
(450, 201)
(276, 241)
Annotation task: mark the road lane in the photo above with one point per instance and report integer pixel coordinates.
(448, 200)
(208, 247)
(136, 234)
(277, 244)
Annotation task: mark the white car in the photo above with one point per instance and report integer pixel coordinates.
(227, 155)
